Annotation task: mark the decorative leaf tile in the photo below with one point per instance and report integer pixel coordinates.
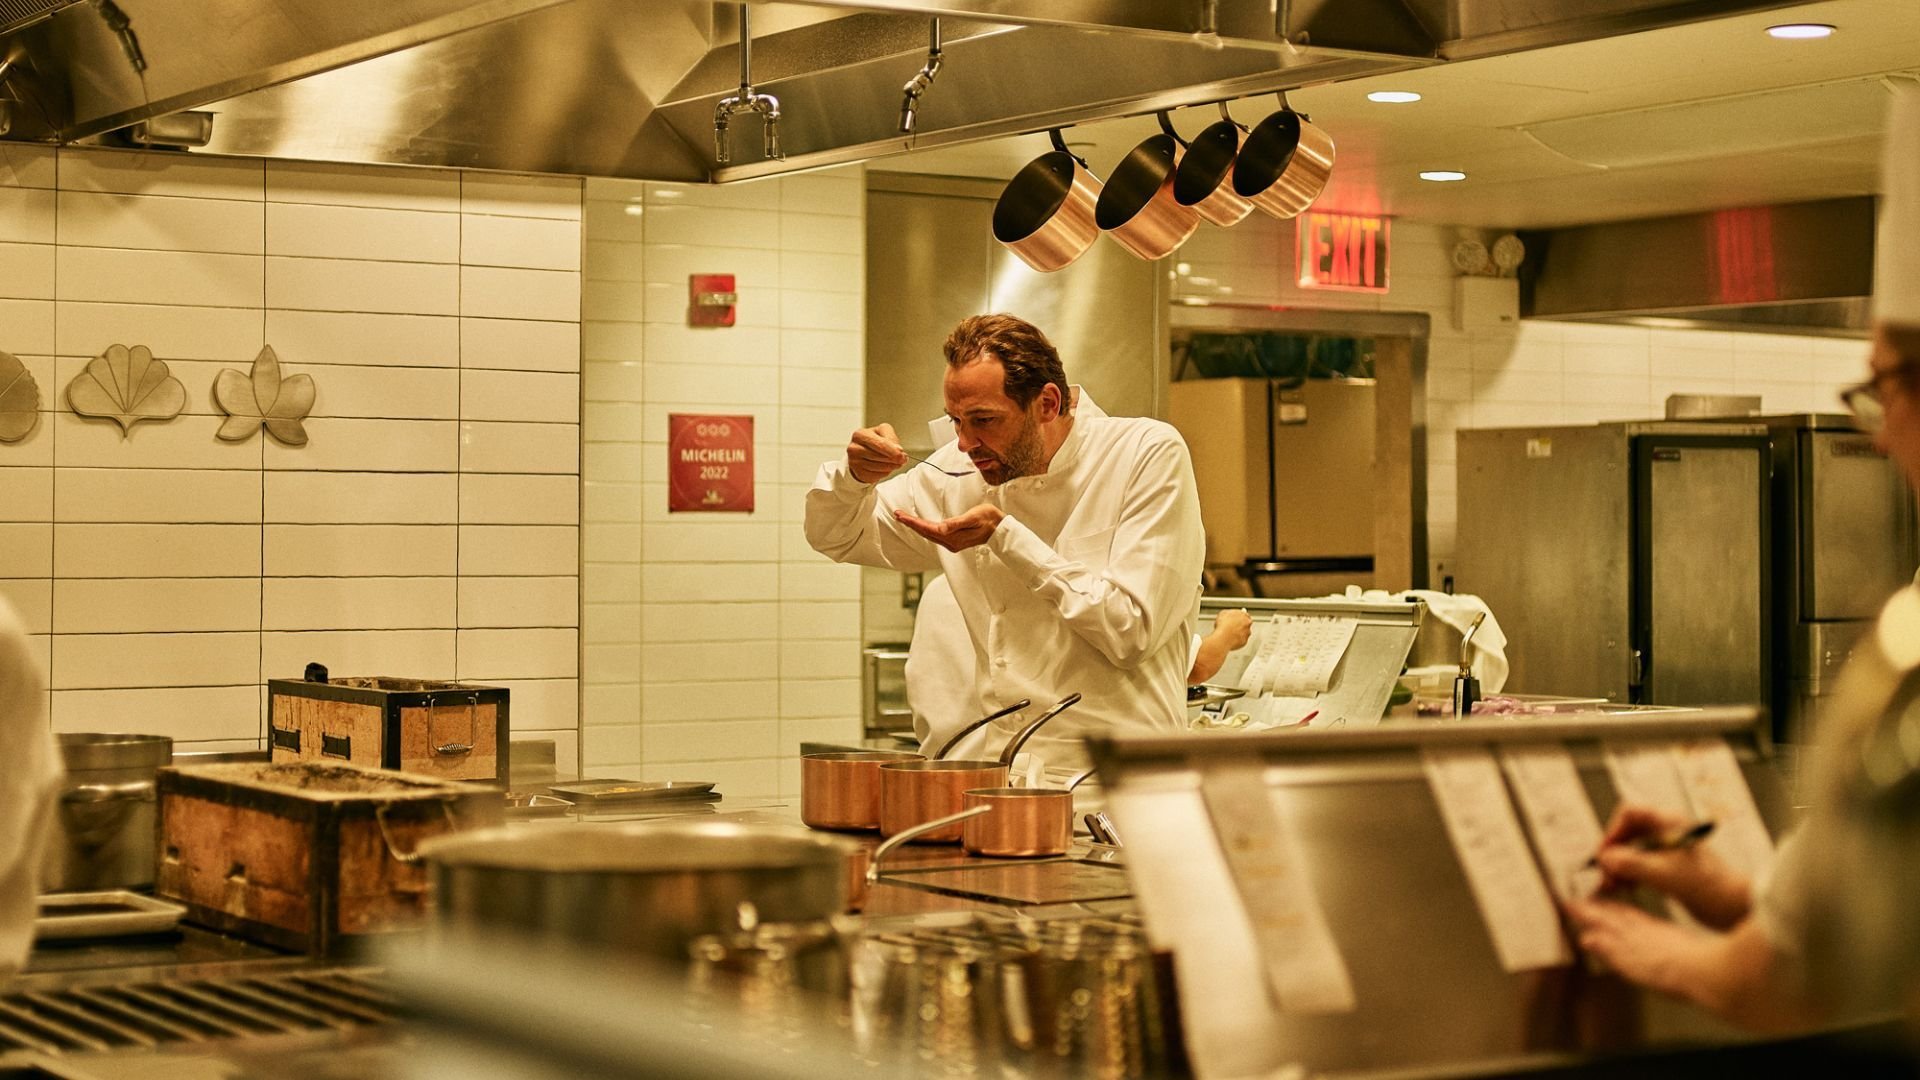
(19, 399)
(127, 386)
(264, 397)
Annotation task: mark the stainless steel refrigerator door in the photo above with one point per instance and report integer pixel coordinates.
(1855, 528)
(1703, 595)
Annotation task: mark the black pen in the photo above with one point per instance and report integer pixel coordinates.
(1686, 838)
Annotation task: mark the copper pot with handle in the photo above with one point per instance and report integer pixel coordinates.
(1045, 215)
(841, 789)
(915, 792)
(1024, 823)
(1204, 180)
(1137, 207)
(1284, 164)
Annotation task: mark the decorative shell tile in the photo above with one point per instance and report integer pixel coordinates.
(19, 399)
(127, 386)
(263, 397)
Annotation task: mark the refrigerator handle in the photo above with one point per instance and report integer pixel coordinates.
(1639, 669)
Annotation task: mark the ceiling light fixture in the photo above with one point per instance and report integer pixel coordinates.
(1800, 31)
(1441, 176)
(1393, 97)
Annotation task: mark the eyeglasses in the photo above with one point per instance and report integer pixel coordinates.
(1863, 401)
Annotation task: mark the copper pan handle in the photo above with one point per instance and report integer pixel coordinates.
(1013, 747)
(1060, 144)
(980, 723)
(1166, 125)
(894, 841)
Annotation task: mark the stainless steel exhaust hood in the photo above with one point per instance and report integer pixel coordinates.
(628, 87)
(1801, 268)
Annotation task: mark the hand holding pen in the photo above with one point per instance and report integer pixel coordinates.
(1663, 852)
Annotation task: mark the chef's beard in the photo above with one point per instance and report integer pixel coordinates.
(1025, 457)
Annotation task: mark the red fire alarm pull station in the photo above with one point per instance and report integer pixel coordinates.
(710, 299)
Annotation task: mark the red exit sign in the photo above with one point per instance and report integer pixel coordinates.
(1347, 252)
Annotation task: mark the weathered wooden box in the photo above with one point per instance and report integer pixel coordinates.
(304, 855)
(455, 731)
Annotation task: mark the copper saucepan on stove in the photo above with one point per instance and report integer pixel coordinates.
(1284, 164)
(1204, 179)
(1024, 823)
(841, 789)
(1045, 216)
(1137, 207)
(915, 792)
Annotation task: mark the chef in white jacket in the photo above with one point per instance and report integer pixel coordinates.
(1072, 539)
(29, 782)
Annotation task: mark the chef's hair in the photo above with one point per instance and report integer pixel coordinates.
(1030, 360)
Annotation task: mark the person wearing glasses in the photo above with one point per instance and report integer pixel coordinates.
(1071, 538)
(1833, 929)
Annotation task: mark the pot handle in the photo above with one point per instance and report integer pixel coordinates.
(1079, 778)
(99, 793)
(1060, 144)
(380, 818)
(1228, 117)
(1166, 125)
(894, 841)
(1013, 747)
(980, 723)
(1288, 106)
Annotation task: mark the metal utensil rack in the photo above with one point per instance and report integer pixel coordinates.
(1362, 684)
(1430, 992)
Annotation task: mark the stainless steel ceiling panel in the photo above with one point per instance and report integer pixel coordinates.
(568, 89)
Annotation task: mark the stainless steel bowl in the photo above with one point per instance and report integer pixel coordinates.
(647, 889)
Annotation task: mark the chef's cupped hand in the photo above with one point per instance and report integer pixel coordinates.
(874, 454)
(971, 529)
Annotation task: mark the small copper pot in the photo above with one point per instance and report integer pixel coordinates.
(1285, 163)
(1024, 822)
(915, 792)
(1137, 207)
(1204, 179)
(1045, 215)
(841, 789)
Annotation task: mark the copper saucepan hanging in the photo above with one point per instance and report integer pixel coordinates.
(1204, 180)
(1284, 164)
(1137, 206)
(1045, 216)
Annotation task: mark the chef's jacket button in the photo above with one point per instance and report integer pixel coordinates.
(999, 661)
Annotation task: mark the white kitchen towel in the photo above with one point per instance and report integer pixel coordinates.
(1896, 272)
(1457, 610)
(29, 784)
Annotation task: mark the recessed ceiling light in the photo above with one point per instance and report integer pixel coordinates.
(1442, 175)
(1393, 97)
(1800, 31)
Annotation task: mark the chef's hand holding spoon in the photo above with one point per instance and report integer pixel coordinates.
(874, 454)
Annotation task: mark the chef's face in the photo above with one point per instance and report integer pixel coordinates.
(1895, 377)
(1003, 439)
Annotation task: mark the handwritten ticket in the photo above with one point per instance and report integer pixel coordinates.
(1719, 793)
(1560, 817)
(1492, 849)
(1297, 655)
(1304, 967)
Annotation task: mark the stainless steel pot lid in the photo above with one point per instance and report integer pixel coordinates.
(637, 849)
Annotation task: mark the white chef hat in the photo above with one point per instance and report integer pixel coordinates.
(1896, 271)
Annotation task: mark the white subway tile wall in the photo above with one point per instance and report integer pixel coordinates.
(430, 526)
(1535, 373)
(714, 643)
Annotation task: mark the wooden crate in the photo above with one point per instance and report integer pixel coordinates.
(454, 731)
(303, 855)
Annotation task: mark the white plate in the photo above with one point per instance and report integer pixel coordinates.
(115, 913)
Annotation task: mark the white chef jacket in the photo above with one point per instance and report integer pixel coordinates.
(1090, 584)
(29, 780)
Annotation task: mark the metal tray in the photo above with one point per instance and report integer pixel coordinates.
(113, 913)
(589, 792)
